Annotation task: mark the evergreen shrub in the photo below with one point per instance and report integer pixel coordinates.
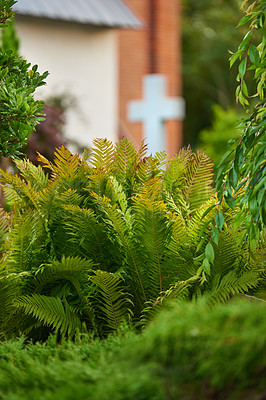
(188, 352)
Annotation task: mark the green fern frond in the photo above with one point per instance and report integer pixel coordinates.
(197, 225)
(71, 197)
(179, 231)
(32, 174)
(89, 238)
(45, 163)
(147, 169)
(119, 228)
(153, 230)
(230, 285)
(150, 311)
(114, 191)
(174, 173)
(199, 180)
(178, 290)
(10, 288)
(126, 159)
(26, 242)
(65, 163)
(51, 311)
(14, 187)
(161, 158)
(102, 154)
(152, 190)
(228, 254)
(72, 269)
(113, 304)
(4, 227)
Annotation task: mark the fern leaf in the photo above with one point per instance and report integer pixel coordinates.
(113, 303)
(89, 238)
(51, 311)
(153, 230)
(32, 174)
(199, 180)
(26, 242)
(114, 191)
(126, 159)
(73, 269)
(4, 227)
(65, 164)
(102, 154)
(120, 230)
(230, 285)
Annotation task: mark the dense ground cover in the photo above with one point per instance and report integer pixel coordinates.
(188, 352)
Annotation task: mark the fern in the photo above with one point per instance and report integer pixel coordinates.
(199, 180)
(72, 269)
(105, 236)
(112, 302)
(230, 285)
(4, 226)
(26, 242)
(51, 311)
(35, 175)
(153, 230)
(102, 154)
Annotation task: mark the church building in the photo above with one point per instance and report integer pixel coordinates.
(118, 63)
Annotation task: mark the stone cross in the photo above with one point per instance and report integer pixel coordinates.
(154, 110)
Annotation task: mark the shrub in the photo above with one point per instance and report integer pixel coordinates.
(188, 352)
(111, 240)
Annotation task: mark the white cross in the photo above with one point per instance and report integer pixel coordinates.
(154, 110)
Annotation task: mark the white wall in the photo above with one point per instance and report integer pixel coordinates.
(83, 64)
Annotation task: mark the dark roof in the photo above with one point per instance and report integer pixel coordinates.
(112, 13)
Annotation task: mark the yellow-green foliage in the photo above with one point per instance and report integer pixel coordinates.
(109, 235)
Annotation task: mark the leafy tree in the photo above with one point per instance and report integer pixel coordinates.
(19, 112)
(208, 34)
(241, 180)
(225, 128)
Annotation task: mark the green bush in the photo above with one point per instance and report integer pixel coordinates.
(188, 352)
(19, 112)
(100, 242)
(224, 128)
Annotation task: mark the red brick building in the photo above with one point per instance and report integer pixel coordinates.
(153, 49)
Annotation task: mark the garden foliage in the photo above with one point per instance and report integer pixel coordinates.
(19, 112)
(112, 236)
(188, 352)
(242, 168)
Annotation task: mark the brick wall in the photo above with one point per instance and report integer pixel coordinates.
(156, 48)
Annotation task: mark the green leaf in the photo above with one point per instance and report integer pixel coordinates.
(244, 20)
(244, 88)
(209, 252)
(248, 221)
(233, 178)
(206, 266)
(253, 206)
(233, 59)
(208, 210)
(215, 235)
(219, 220)
(254, 55)
(242, 67)
(230, 201)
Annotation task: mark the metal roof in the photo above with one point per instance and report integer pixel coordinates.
(111, 13)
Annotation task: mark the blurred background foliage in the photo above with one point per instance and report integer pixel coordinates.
(209, 33)
(224, 128)
(48, 135)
